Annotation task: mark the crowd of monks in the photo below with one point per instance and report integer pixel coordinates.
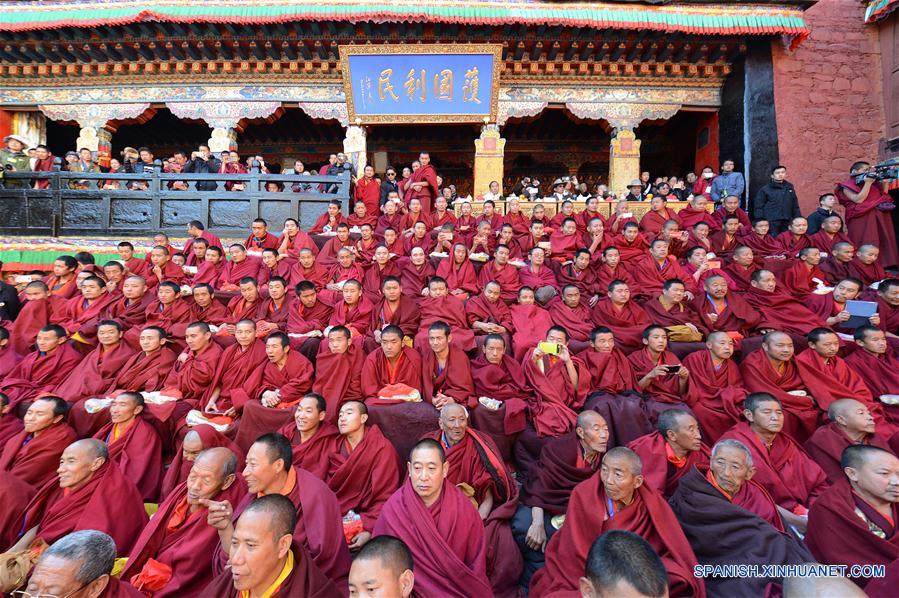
(471, 401)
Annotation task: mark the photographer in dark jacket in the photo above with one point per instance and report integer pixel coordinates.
(389, 184)
(776, 202)
(203, 162)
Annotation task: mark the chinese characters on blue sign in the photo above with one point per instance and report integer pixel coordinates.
(402, 84)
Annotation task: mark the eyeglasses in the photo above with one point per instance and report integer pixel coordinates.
(391, 174)
(26, 594)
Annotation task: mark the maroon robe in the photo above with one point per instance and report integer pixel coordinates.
(318, 227)
(737, 316)
(300, 241)
(171, 272)
(793, 244)
(378, 373)
(609, 372)
(163, 316)
(64, 290)
(553, 406)
(208, 273)
(827, 444)
(302, 319)
(536, 280)
(506, 383)
(627, 323)
(784, 470)
(356, 318)
(39, 374)
(269, 241)
(652, 222)
(605, 275)
(405, 316)
(426, 174)
(530, 323)
(659, 471)
(9, 359)
(690, 217)
(649, 278)
(577, 322)
(374, 279)
(480, 309)
(364, 478)
(271, 313)
(241, 309)
(631, 251)
(179, 468)
(232, 271)
(782, 311)
(562, 246)
(34, 459)
(798, 279)
(311, 455)
(740, 275)
(825, 242)
(678, 315)
(506, 276)
(560, 468)
(800, 414)
(96, 372)
(138, 454)
(722, 246)
(454, 380)
(185, 548)
(192, 376)
(866, 223)
(715, 395)
(648, 516)
(415, 278)
(216, 313)
(108, 502)
(585, 280)
(130, 314)
(338, 378)
(81, 319)
(867, 273)
(879, 372)
(762, 246)
(144, 373)
(828, 382)
(317, 275)
(663, 392)
(446, 541)
(451, 310)
(238, 371)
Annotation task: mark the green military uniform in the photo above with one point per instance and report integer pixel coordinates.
(18, 160)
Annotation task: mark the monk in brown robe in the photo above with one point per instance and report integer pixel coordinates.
(32, 455)
(789, 475)
(623, 317)
(363, 471)
(42, 370)
(617, 498)
(134, 444)
(671, 451)
(850, 423)
(99, 367)
(266, 560)
(178, 534)
(742, 268)
(661, 377)
(564, 463)
(836, 266)
(240, 266)
(477, 468)
(310, 434)
(269, 470)
(90, 493)
(728, 518)
(773, 369)
(441, 527)
(79, 562)
(286, 378)
(804, 276)
(715, 392)
(306, 268)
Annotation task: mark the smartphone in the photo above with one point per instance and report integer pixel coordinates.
(549, 348)
(714, 263)
(672, 369)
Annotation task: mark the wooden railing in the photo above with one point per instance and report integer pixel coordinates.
(82, 203)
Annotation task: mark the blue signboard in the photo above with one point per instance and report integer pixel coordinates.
(422, 84)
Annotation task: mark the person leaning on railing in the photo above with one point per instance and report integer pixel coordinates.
(14, 159)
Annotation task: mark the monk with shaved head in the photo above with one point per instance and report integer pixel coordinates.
(382, 568)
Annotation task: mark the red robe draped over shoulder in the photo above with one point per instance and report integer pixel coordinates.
(338, 378)
(35, 461)
(530, 323)
(377, 372)
(96, 372)
(446, 540)
(238, 371)
(659, 472)
(560, 468)
(715, 395)
(180, 467)
(138, 454)
(577, 322)
(626, 322)
(759, 375)
(194, 375)
(39, 374)
(453, 380)
(451, 310)
(553, 406)
(311, 455)
(462, 277)
(826, 448)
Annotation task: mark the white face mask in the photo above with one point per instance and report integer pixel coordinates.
(708, 175)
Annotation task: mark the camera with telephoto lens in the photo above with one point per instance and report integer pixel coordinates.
(884, 171)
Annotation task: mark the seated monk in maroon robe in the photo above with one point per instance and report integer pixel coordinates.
(353, 311)
(539, 276)
(458, 272)
(866, 265)
(90, 493)
(318, 527)
(244, 306)
(81, 314)
(268, 523)
(727, 518)
(440, 305)
(772, 369)
(293, 241)
(343, 270)
(718, 309)
(8, 356)
(237, 374)
(310, 434)
(35, 313)
(851, 423)
(623, 317)
(741, 269)
(145, 371)
(195, 367)
(134, 444)
(166, 312)
(327, 257)
(286, 378)
(196, 440)
(446, 371)
(307, 320)
(560, 382)
(580, 274)
(836, 266)
(572, 312)
(32, 455)
(440, 526)
(651, 272)
(163, 269)
(888, 309)
(564, 463)
(715, 392)
(659, 213)
(43, 370)
(830, 234)
(828, 378)
(529, 321)
(669, 309)
(804, 276)
(178, 535)
(275, 310)
(130, 309)
(308, 269)
(628, 504)
(500, 270)
(502, 391)
(339, 371)
(99, 367)
(363, 470)
(62, 280)
(564, 241)
(395, 309)
(661, 377)
(671, 451)
(853, 522)
(786, 471)
(416, 273)
(487, 314)
(384, 265)
(476, 467)
(876, 365)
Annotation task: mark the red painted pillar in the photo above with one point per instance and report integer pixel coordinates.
(5, 123)
(707, 141)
